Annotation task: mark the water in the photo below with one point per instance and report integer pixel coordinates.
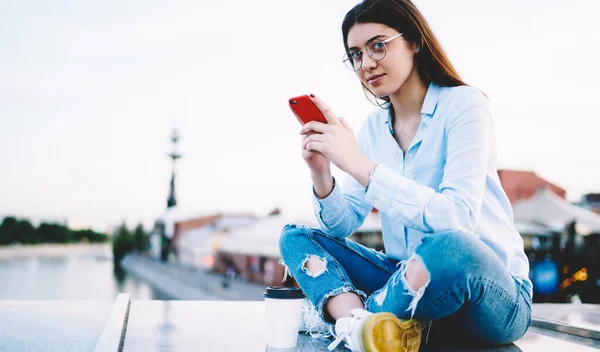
(71, 277)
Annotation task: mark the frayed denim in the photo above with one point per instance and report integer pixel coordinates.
(470, 297)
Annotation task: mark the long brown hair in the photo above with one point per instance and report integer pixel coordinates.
(432, 63)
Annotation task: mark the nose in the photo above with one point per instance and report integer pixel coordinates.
(368, 63)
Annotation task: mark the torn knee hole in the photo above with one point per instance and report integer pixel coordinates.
(314, 266)
(416, 274)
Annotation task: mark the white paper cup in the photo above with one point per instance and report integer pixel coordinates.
(283, 305)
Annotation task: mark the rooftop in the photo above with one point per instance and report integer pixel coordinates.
(126, 325)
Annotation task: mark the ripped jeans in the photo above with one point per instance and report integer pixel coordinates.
(471, 299)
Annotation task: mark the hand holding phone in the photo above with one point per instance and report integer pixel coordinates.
(305, 110)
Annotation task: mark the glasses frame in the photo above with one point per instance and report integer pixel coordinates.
(384, 42)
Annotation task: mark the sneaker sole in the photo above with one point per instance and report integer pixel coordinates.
(384, 332)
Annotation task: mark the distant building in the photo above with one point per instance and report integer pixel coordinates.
(591, 201)
(196, 239)
(522, 185)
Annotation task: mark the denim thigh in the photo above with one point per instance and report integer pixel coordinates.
(470, 294)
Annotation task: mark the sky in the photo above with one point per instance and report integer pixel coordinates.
(90, 92)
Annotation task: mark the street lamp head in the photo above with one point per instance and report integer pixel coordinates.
(175, 136)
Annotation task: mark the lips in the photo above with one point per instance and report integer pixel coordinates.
(374, 79)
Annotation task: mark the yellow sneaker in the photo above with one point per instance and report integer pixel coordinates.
(384, 332)
(380, 332)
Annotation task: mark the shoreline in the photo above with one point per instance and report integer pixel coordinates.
(55, 250)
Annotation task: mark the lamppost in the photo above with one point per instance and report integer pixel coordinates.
(169, 225)
(174, 155)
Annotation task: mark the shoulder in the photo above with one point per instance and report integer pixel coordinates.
(371, 128)
(462, 103)
(374, 121)
(462, 97)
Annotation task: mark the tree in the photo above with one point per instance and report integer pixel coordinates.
(88, 236)
(54, 233)
(8, 230)
(140, 239)
(122, 243)
(25, 232)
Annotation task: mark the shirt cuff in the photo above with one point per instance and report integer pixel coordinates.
(400, 198)
(382, 180)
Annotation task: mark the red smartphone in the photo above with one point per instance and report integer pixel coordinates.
(305, 110)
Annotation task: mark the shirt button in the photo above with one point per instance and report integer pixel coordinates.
(411, 245)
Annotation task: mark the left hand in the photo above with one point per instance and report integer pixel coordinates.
(335, 140)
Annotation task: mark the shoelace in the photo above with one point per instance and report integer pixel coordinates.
(349, 343)
(357, 315)
(320, 334)
(317, 321)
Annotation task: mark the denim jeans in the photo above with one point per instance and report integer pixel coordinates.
(471, 299)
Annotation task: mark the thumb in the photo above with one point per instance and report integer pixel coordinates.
(327, 112)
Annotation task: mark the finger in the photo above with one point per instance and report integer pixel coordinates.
(315, 146)
(345, 124)
(314, 126)
(329, 115)
(312, 138)
(307, 154)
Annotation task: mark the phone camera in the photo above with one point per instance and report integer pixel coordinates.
(293, 102)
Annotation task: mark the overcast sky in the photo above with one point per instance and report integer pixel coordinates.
(90, 91)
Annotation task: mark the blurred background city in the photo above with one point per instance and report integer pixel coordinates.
(147, 147)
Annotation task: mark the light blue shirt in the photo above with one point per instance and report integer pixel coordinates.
(447, 181)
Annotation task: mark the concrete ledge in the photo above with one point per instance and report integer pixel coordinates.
(111, 339)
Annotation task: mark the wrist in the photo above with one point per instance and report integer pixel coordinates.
(322, 188)
(321, 177)
(361, 170)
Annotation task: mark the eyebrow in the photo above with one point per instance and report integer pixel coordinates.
(369, 41)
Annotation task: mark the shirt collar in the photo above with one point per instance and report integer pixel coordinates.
(430, 102)
(427, 109)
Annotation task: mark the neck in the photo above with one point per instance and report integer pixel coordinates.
(408, 100)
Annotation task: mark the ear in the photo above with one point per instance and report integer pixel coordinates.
(416, 47)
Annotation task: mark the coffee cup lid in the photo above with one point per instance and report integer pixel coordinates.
(281, 292)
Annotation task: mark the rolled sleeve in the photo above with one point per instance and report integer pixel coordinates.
(329, 210)
(400, 198)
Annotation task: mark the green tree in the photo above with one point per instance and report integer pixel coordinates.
(140, 239)
(122, 243)
(25, 232)
(54, 233)
(8, 230)
(89, 236)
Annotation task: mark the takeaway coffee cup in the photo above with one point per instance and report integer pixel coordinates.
(283, 305)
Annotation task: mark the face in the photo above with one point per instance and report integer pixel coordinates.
(382, 77)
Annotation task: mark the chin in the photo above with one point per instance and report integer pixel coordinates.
(381, 92)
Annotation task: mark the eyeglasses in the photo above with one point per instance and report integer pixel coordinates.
(376, 51)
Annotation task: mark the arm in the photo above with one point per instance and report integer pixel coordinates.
(456, 205)
(340, 212)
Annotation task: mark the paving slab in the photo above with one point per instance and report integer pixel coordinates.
(52, 325)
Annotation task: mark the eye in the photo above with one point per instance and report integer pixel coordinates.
(378, 46)
(355, 55)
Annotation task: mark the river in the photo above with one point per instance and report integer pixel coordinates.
(67, 273)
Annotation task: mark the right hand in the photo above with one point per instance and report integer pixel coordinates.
(316, 161)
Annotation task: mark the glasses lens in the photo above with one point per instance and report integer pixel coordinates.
(352, 62)
(377, 50)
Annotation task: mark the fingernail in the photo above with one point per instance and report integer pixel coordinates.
(312, 95)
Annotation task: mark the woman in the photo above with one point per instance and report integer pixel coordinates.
(427, 161)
